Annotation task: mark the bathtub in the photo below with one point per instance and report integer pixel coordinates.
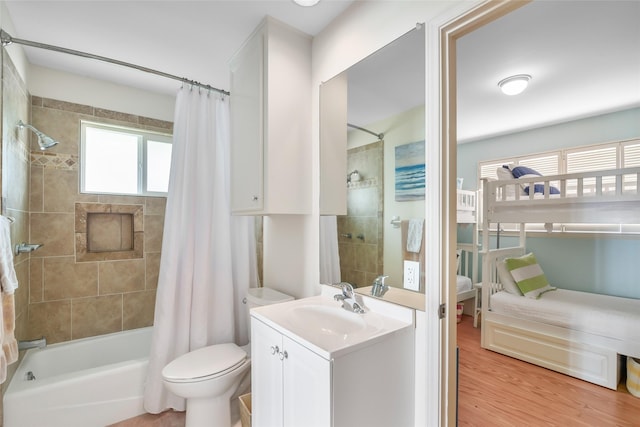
(88, 382)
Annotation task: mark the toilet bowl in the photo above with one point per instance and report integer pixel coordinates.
(209, 376)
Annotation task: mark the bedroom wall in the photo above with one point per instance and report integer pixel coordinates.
(601, 264)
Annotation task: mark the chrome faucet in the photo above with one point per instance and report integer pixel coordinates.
(348, 298)
(38, 343)
(379, 288)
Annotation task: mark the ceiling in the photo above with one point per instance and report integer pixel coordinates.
(584, 56)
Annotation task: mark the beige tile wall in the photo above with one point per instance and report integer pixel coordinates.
(361, 259)
(69, 299)
(15, 186)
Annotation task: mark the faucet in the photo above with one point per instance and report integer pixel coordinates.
(37, 343)
(348, 298)
(379, 288)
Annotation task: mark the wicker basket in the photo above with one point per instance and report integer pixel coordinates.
(245, 410)
(633, 376)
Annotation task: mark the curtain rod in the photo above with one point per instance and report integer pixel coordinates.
(7, 40)
(380, 136)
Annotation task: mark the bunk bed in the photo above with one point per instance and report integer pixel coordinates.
(467, 253)
(576, 333)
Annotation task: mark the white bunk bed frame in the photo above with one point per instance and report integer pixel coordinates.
(615, 198)
(467, 213)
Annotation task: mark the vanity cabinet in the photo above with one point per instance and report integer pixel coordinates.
(270, 111)
(295, 381)
(290, 384)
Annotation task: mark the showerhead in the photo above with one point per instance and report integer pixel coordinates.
(44, 141)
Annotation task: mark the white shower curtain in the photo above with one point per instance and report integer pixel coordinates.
(329, 256)
(208, 257)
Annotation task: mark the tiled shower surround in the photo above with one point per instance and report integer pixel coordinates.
(70, 297)
(361, 254)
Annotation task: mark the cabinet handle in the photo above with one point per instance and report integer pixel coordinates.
(284, 355)
(254, 198)
(275, 349)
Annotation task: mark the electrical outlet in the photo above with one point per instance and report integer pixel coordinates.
(411, 277)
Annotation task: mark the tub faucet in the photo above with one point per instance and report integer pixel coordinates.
(37, 343)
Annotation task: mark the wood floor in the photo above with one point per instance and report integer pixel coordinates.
(497, 390)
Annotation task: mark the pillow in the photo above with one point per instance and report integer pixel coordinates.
(528, 275)
(504, 172)
(458, 256)
(525, 172)
(506, 279)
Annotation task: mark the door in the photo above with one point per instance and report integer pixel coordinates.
(307, 387)
(266, 375)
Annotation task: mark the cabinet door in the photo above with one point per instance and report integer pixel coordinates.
(266, 375)
(307, 387)
(247, 127)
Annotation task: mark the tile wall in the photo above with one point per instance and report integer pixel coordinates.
(361, 255)
(15, 186)
(69, 298)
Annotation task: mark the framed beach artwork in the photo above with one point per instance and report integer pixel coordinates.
(410, 171)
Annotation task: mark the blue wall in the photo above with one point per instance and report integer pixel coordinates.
(594, 264)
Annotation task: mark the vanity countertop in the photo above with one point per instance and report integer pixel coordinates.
(415, 300)
(323, 326)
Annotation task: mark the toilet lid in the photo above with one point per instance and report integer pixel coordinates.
(204, 362)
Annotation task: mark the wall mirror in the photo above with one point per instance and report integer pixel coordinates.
(372, 170)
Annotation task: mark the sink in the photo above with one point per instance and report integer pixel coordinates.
(325, 327)
(328, 320)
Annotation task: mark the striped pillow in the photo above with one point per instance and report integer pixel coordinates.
(528, 275)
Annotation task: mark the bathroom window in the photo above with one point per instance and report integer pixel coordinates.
(121, 160)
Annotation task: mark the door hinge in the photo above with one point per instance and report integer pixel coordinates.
(442, 311)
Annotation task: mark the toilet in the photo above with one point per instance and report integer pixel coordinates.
(209, 376)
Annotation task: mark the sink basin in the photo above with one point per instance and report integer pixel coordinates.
(328, 320)
(324, 326)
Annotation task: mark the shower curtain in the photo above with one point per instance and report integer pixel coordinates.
(329, 256)
(208, 257)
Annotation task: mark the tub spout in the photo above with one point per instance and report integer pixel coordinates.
(25, 248)
(39, 343)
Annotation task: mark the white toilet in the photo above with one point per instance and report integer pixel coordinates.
(209, 376)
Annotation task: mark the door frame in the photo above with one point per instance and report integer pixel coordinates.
(442, 35)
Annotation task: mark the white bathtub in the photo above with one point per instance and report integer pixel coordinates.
(94, 381)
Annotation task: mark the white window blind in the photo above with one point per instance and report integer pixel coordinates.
(631, 154)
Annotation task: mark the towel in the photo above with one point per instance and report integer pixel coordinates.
(414, 235)
(8, 280)
(8, 284)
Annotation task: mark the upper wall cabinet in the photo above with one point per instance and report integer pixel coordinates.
(271, 122)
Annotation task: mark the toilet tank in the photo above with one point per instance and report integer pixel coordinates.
(257, 297)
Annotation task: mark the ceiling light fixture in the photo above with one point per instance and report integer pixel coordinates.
(306, 3)
(515, 84)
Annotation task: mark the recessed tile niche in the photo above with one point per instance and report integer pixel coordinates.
(108, 232)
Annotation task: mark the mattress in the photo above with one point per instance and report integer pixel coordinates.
(603, 315)
(463, 284)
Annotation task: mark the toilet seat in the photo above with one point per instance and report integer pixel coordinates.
(205, 363)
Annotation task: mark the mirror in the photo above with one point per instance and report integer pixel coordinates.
(372, 133)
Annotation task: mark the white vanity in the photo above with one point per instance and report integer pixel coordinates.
(316, 364)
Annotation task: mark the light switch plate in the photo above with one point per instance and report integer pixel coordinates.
(411, 276)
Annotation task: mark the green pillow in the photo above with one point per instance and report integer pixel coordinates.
(528, 275)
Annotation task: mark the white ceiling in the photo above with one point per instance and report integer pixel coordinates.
(584, 56)
(191, 39)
